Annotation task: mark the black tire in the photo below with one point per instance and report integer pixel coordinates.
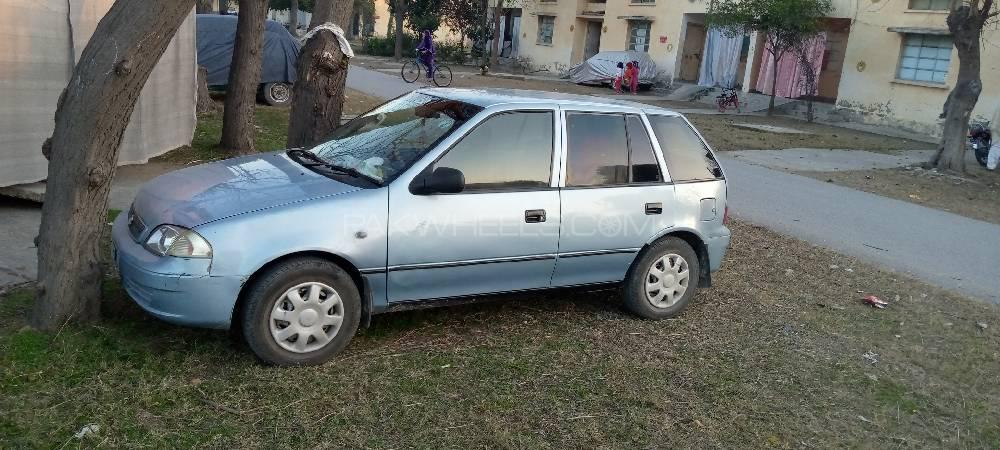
(442, 76)
(276, 94)
(267, 290)
(982, 153)
(636, 300)
(410, 71)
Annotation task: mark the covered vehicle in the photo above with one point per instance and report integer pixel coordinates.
(602, 67)
(216, 39)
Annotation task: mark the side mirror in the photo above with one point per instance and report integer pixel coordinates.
(443, 180)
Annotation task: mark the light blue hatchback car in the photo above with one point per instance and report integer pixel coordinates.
(438, 195)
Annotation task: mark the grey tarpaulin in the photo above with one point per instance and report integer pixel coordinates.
(40, 41)
(217, 36)
(602, 67)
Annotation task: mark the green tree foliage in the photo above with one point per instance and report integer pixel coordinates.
(304, 5)
(424, 15)
(786, 24)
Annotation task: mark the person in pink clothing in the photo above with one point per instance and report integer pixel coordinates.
(619, 74)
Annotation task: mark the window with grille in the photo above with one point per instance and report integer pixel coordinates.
(642, 2)
(546, 24)
(929, 4)
(925, 58)
(638, 35)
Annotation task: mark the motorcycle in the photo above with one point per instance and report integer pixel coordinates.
(980, 140)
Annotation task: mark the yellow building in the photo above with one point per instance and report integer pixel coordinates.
(884, 61)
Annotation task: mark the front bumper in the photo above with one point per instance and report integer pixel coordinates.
(177, 290)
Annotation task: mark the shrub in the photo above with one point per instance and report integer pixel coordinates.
(386, 45)
(453, 52)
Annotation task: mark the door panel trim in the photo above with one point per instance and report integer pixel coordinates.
(468, 262)
(598, 252)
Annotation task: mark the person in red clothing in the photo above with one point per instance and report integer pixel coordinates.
(634, 78)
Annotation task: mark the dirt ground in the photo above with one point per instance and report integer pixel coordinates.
(976, 196)
(780, 353)
(722, 135)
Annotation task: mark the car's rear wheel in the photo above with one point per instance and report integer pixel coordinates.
(663, 280)
(301, 312)
(277, 94)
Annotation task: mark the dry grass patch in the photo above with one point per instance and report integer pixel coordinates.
(772, 356)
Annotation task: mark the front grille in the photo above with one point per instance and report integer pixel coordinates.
(135, 225)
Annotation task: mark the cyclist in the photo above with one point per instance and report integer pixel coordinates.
(426, 51)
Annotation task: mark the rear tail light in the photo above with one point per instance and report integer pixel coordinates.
(725, 216)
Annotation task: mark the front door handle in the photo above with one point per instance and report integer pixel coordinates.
(654, 208)
(534, 216)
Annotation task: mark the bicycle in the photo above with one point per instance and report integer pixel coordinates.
(728, 98)
(441, 74)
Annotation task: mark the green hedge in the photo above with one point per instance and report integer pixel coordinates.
(452, 52)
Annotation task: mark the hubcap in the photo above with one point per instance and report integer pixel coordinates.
(667, 280)
(306, 317)
(280, 92)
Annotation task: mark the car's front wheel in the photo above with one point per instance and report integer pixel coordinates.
(301, 312)
(663, 280)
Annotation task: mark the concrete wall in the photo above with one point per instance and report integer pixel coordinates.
(869, 91)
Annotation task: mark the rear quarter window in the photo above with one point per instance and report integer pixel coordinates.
(686, 155)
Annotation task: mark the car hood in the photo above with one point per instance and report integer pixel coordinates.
(205, 193)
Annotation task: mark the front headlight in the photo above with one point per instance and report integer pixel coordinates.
(172, 240)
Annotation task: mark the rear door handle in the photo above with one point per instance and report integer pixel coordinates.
(534, 216)
(654, 208)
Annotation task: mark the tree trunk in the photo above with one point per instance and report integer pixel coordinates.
(204, 7)
(774, 82)
(400, 16)
(495, 48)
(223, 6)
(90, 119)
(244, 78)
(318, 95)
(484, 57)
(293, 17)
(205, 102)
(388, 26)
(966, 27)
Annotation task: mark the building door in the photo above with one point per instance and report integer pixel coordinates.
(694, 45)
(593, 43)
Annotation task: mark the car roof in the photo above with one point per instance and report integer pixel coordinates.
(497, 96)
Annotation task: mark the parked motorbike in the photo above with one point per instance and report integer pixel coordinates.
(980, 140)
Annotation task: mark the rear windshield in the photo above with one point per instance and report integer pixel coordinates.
(687, 156)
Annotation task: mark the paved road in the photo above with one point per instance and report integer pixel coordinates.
(944, 249)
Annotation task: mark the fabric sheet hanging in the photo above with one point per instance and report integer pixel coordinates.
(721, 60)
(791, 82)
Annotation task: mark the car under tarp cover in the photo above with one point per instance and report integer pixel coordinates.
(217, 36)
(601, 68)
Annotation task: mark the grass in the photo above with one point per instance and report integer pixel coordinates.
(755, 362)
(271, 130)
(975, 195)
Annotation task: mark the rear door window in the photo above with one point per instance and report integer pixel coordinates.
(597, 150)
(686, 155)
(642, 161)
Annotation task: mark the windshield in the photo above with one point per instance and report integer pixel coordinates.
(386, 141)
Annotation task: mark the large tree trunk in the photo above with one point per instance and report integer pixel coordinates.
(293, 17)
(90, 120)
(244, 78)
(223, 6)
(966, 27)
(495, 50)
(400, 17)
(318, 95)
